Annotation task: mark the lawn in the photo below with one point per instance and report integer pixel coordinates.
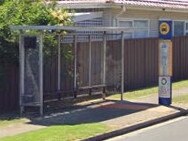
(136, 94)
(149, 91)
(82, 131)
(180, 84)
(181, 99)
(60, 133)
(8, 120)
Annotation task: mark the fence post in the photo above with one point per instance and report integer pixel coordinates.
(59, 69)
(75, 66)
(41, 73)
(104, 65)
(122, 64)
(90, 64)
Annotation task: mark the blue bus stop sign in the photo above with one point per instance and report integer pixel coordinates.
(165, 29)
(165, 88)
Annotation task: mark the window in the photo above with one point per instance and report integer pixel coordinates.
(140, 28)
(186, 28)
(179, 27)
(140, 24)
(128, 24)
(90, 23)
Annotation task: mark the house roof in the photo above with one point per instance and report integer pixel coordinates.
(171, 4)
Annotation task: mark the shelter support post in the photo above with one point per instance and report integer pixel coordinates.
(75, 66)
(59, 69)
(21, 60)
(122, 64)
(90, 65)
(104, 65)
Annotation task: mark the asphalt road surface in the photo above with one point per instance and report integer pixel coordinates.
(174, 130)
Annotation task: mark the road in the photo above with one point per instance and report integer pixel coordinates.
(174, 130)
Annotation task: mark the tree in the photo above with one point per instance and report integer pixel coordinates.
(26, 12)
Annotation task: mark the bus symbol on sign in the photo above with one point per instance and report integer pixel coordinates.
(164, 28)
(163, 81)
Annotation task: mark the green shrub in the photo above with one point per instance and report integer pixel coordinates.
(27, 12)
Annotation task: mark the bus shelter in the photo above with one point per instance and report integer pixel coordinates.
(31, 48)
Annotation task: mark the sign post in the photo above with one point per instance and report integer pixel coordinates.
(165, 62)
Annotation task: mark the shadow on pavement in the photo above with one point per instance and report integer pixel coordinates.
(99, 112)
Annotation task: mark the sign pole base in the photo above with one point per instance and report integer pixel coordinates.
(165, 90)
(165, 101)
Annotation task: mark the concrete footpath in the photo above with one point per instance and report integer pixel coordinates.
(145, 115)
(120, 116)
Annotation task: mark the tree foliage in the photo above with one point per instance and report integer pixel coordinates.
(26, 12)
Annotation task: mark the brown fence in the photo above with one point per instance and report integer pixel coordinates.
(50, 73)
(141, 68)
(9, 86)
(141, 63)
(180, 58)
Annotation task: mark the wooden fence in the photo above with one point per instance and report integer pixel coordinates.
(9, 86)
(141, 63)
(141, 68)
(180, 58)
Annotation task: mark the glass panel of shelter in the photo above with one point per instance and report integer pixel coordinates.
(30, 72)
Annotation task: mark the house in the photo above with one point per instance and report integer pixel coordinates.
(141, 15)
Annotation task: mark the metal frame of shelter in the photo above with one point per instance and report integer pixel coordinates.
(23, 33)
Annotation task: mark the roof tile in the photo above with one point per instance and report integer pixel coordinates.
(183, 4)
(180, 4)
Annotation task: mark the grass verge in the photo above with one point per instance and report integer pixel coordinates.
(183, 99)
(180, 84)
(136, 94)
(7, 120)
(60, 133)
(149, 91)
